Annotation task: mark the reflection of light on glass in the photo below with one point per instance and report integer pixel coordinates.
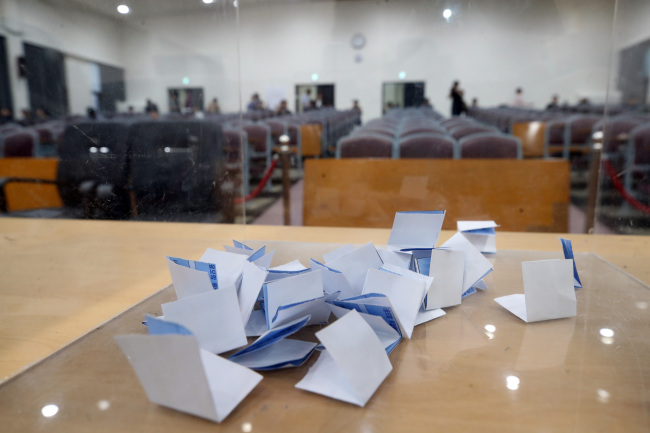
(642, 305)
(186, 81)
(167, 150)
(512, 382)
(123, 9)
(314, 77)
(598, 135)
(103, 404)
(401, 75)
(490, 328)
(606, 332)
(284, 138)
(93, 149)
(607, 340)
(490, 335)
(247, 427)
(235, 3)
(207, 2)
(50, 410)
(103, 149)
(446, 14)
(603, 396)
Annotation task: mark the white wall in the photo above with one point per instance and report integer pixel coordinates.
(70, 29)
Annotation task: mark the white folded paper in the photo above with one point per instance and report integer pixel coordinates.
(229, 266)
(417, 229)
(187, 281)
(176, 373)
(333, 280)
(355, 264)
(213, 317)
(353, 365)
(291, 290)
(447, 267)
(480, 233)
(253, 278)
(405, 294)
(476, 266)
(388, 336)
(548, 292)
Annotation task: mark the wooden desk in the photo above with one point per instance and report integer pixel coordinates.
(61, 279)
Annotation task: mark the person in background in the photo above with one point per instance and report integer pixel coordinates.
(319, 101)
(426, 103)
(27, 119)
(305, 100)
(518, 100)
(356, 107)
(282, 109)
(475, 103)
(92, 114)
(255, 103)
(213, 107)
(458, 106)
(5, 116)
(150, 107)
(174, 103)
(130, 111)
(554, 104)
(41, 115)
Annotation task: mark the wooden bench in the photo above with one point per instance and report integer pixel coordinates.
(520, 195)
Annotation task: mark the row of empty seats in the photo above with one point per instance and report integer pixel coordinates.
(423, 133)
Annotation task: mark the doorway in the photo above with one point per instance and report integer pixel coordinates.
(320, 96)
(402, 94)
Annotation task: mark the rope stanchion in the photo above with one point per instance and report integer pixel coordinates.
(611, 172)
(265, 179)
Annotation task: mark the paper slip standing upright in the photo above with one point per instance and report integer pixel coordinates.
(229, 266)
(353, 365)
(356, 263)
(213, 317)
(417, 229)
(388, 335)
(290, 291)
(189, 280)
(568, 254)
(447, 267)
(405, 294)
(476, 266)
(253, 278)
(548, 292)
(480, 233)
(176, 373)
(333, 280)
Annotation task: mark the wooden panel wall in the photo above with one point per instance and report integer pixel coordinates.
(21, 196)
(520, 195)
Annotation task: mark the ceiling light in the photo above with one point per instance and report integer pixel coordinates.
(446, 14)
(207, 2)
(123, 9)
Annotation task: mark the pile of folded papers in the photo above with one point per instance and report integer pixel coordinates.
(363, 299)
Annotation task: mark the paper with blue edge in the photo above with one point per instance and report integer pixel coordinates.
(290, 291)
(480, 233)
(356, 263)
(333, 280)
(405, 294)
(354, 364)
(271, 351)
(175, 372)
(418, 229)
(229, 266)
(373, 304)
(568, 254)
(388, 335)
(317, 308)
(188, 282)
(209, 268)
(159, 326)
(213, 317)
(253, 278)
(476, 266)
(447, 267)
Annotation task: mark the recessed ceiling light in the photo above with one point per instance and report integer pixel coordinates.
(123, 9)
(207, 2)
(446, 14)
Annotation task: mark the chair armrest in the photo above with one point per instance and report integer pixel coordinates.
(4, 181)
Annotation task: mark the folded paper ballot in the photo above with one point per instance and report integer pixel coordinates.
(480, 233)
(188, 280)
(290, 291)
(353, 364)
(447, 267)
(273, 350)
(548, 292)
(229, 266)
(333, 280)
(400, 259)
(355, 264)
(175, 372)
(253, 278)
(476, 266)
(405, 294)
(373, 304)
(213, 317)
(388, 335)
(317, 308)
(425, 316)
(416, 229)
(568, 254)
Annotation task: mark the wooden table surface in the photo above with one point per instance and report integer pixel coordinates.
(62, 279)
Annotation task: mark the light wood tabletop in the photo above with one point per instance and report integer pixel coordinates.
(61, 279)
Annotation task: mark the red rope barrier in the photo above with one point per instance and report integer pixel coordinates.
(265, 179)
(611, 172)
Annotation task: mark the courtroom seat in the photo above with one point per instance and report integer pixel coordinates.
(554, 136)
(461, 131)
(489, 145)
(427, 146)
(412, 130)
(19, 143)
(365, 146)
(577, 133)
